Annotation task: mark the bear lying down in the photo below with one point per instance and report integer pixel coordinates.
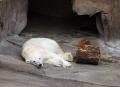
(38, 51)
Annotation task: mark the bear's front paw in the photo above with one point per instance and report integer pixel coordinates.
(66, 64)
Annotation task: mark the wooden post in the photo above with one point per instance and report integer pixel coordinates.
(13, 17)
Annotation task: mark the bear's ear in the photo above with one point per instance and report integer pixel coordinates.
(27, 61)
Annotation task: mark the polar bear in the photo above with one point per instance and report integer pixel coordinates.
(38, 51)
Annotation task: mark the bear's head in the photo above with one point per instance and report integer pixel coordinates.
(36, 61)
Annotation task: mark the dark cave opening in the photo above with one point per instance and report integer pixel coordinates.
(56, 15)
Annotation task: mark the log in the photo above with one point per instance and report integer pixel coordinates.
(87, 53)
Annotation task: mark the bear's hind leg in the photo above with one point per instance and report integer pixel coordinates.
(57, 60)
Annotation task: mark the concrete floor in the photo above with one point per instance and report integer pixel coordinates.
(16, 73)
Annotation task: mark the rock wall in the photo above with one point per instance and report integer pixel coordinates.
(110, 15)
(13, 17)
(13, 14)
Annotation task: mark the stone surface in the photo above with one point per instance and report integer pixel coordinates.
(15, 71)
(108, 19)
(104, 75)
(22, 74)
(13, 17)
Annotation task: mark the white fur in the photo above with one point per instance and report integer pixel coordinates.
(43, 50)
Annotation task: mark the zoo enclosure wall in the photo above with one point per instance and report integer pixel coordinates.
(13, 16)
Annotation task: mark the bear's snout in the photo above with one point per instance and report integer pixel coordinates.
(39, 66)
